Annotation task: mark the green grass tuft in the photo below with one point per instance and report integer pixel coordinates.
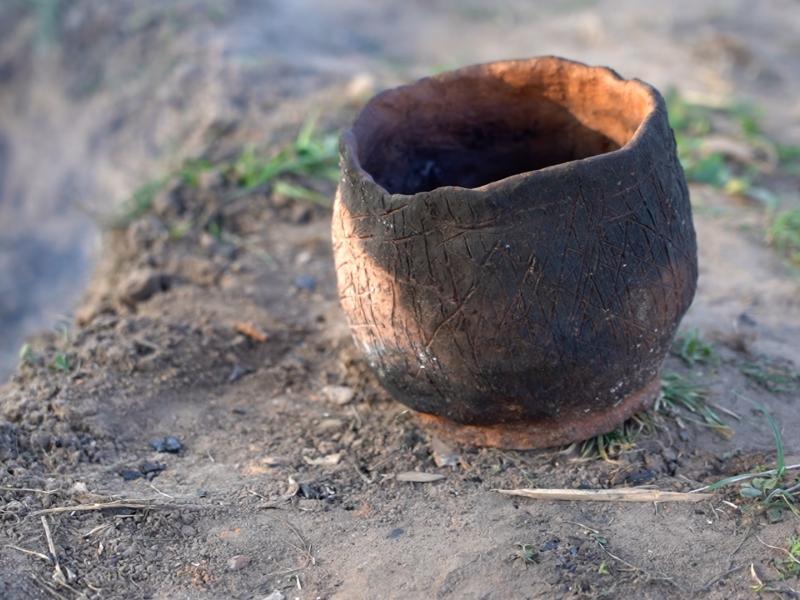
(783, 233)
(778, 379)
(610, 446)
(684, 399)
(691, 349)
(681, 399)
(773, 490)
(48, 16)
(26, 354)
(711, 169)
(62, 362)
(526, 554)
(139, 203)
(309, 155)
(748, 117)
(789, 158)
(192, 170)
(299, 192)
(692, 123)
(790, 566)
(687, 118)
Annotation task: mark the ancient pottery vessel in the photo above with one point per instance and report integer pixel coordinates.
(514, 248)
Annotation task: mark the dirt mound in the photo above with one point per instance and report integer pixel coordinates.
(214, 319)
(207, 428)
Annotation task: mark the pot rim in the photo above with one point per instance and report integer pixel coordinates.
(348, 143)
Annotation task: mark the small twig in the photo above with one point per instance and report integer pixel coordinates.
(357, 416)
(721, 576)
(133, 504)
(586, 527)
(257, 495)
(49, 536)
(94, 530)
(44, 557)
(58, 573)
(363, 477)
(784, 550)
(158, 491)
(727, 411)
(613, 495)
(305, 546)
(601, 542)
(24, 489)
(744, 539)
(48, 588)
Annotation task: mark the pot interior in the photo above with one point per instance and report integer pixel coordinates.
(485, 123)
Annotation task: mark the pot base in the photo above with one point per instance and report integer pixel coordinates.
(547, 433)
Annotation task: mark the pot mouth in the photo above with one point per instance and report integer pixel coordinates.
(476, 126)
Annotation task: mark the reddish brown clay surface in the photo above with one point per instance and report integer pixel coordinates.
(522, 436)
(514, 247)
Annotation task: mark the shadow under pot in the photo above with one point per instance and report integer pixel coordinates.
(514, 248)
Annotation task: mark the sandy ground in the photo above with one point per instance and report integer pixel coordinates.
(290, 450)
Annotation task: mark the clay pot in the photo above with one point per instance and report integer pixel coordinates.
(515, 249)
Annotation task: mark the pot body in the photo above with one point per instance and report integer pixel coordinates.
(530, 311)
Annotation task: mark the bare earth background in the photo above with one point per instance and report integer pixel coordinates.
(290, 450)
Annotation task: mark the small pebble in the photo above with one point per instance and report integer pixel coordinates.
(130, 474)
(152, 467)
(237, 372)
(306, 282)
(140, 285)
(275, 595)
(321, 491)
(238, 562)
(338, 394)
(169, 444)
(550, 545)
(641, 476)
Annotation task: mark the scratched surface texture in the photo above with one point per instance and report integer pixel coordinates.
(538, 307)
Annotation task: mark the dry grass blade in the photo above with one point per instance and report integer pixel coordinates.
(791, 557)
(60, 575)
(419, 477)
(132, 504)
(616, 495)
(25, 489)
(39, 555)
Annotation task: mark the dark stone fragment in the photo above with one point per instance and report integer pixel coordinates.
(172, 444)
(316, 491)
(306, 282)
(151, 470)
(550, 545)
(169, 444)
(641, 476)
(238, 372)
(130, 474)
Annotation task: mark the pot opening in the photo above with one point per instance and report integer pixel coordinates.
(485, 123)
